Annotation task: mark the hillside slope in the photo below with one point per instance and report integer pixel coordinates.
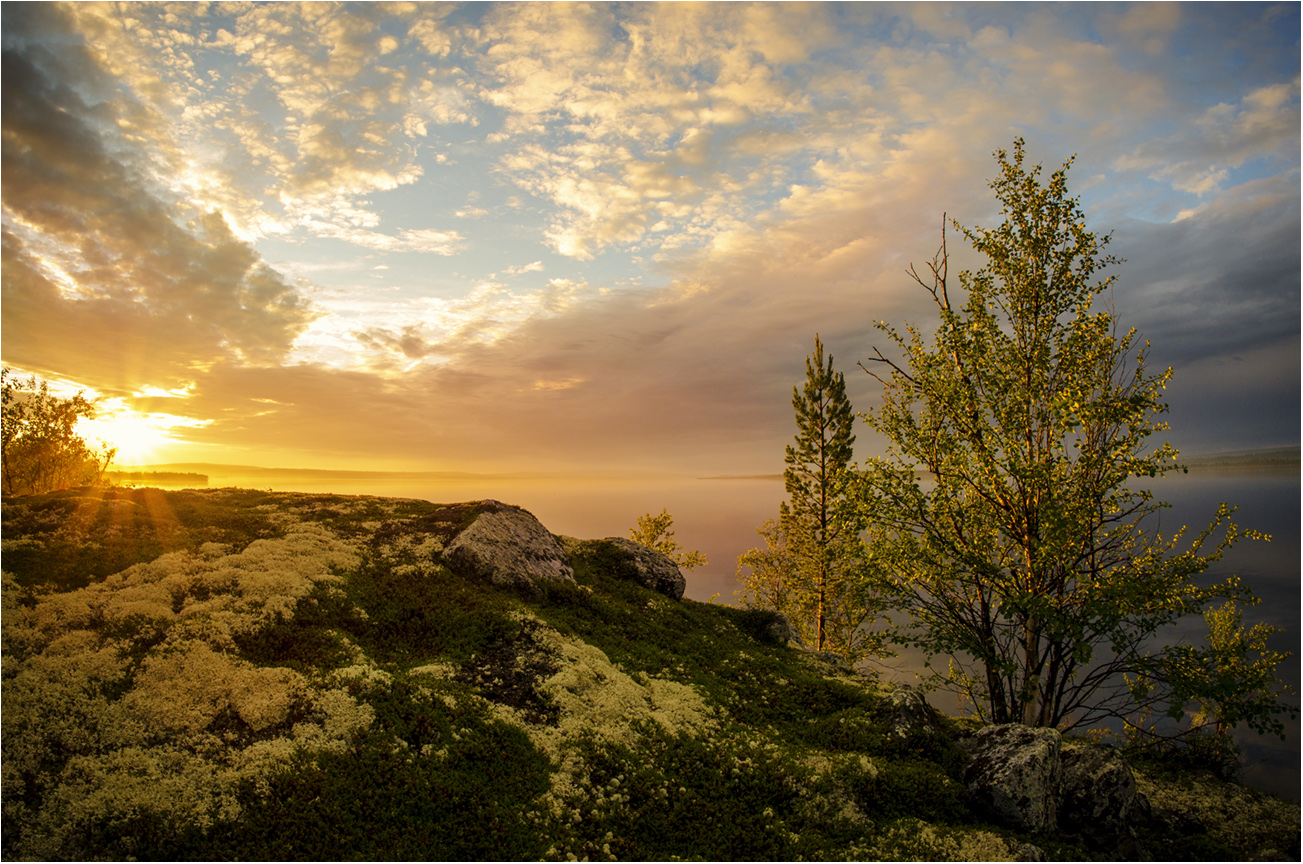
(237, 674)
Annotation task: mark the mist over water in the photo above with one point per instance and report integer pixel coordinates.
(720, 518)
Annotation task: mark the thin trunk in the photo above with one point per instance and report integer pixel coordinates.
(1031, 695)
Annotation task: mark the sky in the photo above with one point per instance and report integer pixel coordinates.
(551, 237)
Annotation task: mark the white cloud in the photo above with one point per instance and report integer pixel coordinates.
(427, 240)
(1198, 158)
(517, 269)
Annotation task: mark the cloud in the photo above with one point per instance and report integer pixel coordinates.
(100, 268)
(428, 240)
(282, 115)
(1221, 281)
(1262, 125)
(726, 180)
(517, 269)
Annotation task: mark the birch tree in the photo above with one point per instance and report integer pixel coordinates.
(1003, 510)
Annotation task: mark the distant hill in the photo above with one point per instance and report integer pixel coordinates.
(218, 470)
(229, 674)
(1273, 457)
(155, 478)
(1270, 459)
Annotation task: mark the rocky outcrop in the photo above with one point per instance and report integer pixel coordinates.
(1029, 780)
(1016, 773)
(1098, 795)
(507, 546)
(647, 567)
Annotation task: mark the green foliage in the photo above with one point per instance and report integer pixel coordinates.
(40, 448)
(676, 796)
(1025, 555)
(657, 533)
(711, 647)
(812, 568)
(410, 613)
(1195, 816)
(1231, 679)
(307, 638)
(1234, 675)
(911, 788)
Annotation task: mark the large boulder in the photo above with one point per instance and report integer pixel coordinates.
(1099, 795)
(647, 567)
(1016, 773)
(507, 546)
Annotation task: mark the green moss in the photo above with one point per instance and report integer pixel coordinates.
(1198, 817)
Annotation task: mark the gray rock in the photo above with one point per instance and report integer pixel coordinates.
(780, 631)
(1016, 773)
(1099, 795)
(647, 567)
(910, 713)
(507, 546)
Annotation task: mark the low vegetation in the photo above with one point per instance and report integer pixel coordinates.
(232, 674)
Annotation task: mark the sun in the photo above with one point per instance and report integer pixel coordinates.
(136, 437)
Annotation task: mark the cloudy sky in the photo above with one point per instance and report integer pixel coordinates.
(603, 237)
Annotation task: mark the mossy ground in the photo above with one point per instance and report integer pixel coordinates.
(386, 709)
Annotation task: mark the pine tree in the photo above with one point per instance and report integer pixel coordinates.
(818, 521)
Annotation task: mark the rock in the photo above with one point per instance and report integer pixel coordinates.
(910, 713)
(507, 546)
(1016, 773)
(769, 627)
(780, 631)
(1099, 794)
(647, 567)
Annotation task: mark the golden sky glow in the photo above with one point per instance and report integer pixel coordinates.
(496, 237)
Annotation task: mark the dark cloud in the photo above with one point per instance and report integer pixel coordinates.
(1223, 280)
(103, 278)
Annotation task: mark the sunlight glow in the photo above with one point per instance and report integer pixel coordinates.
(137, 437)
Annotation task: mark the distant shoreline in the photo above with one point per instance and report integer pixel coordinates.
(1266, 460)
(1273, 459)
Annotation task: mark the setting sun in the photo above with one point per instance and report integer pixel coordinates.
(137, 437)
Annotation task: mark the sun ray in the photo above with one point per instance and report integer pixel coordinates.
(138, 438)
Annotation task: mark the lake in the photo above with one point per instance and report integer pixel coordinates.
(720, 518)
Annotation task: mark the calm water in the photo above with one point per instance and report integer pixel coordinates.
(720, 518)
